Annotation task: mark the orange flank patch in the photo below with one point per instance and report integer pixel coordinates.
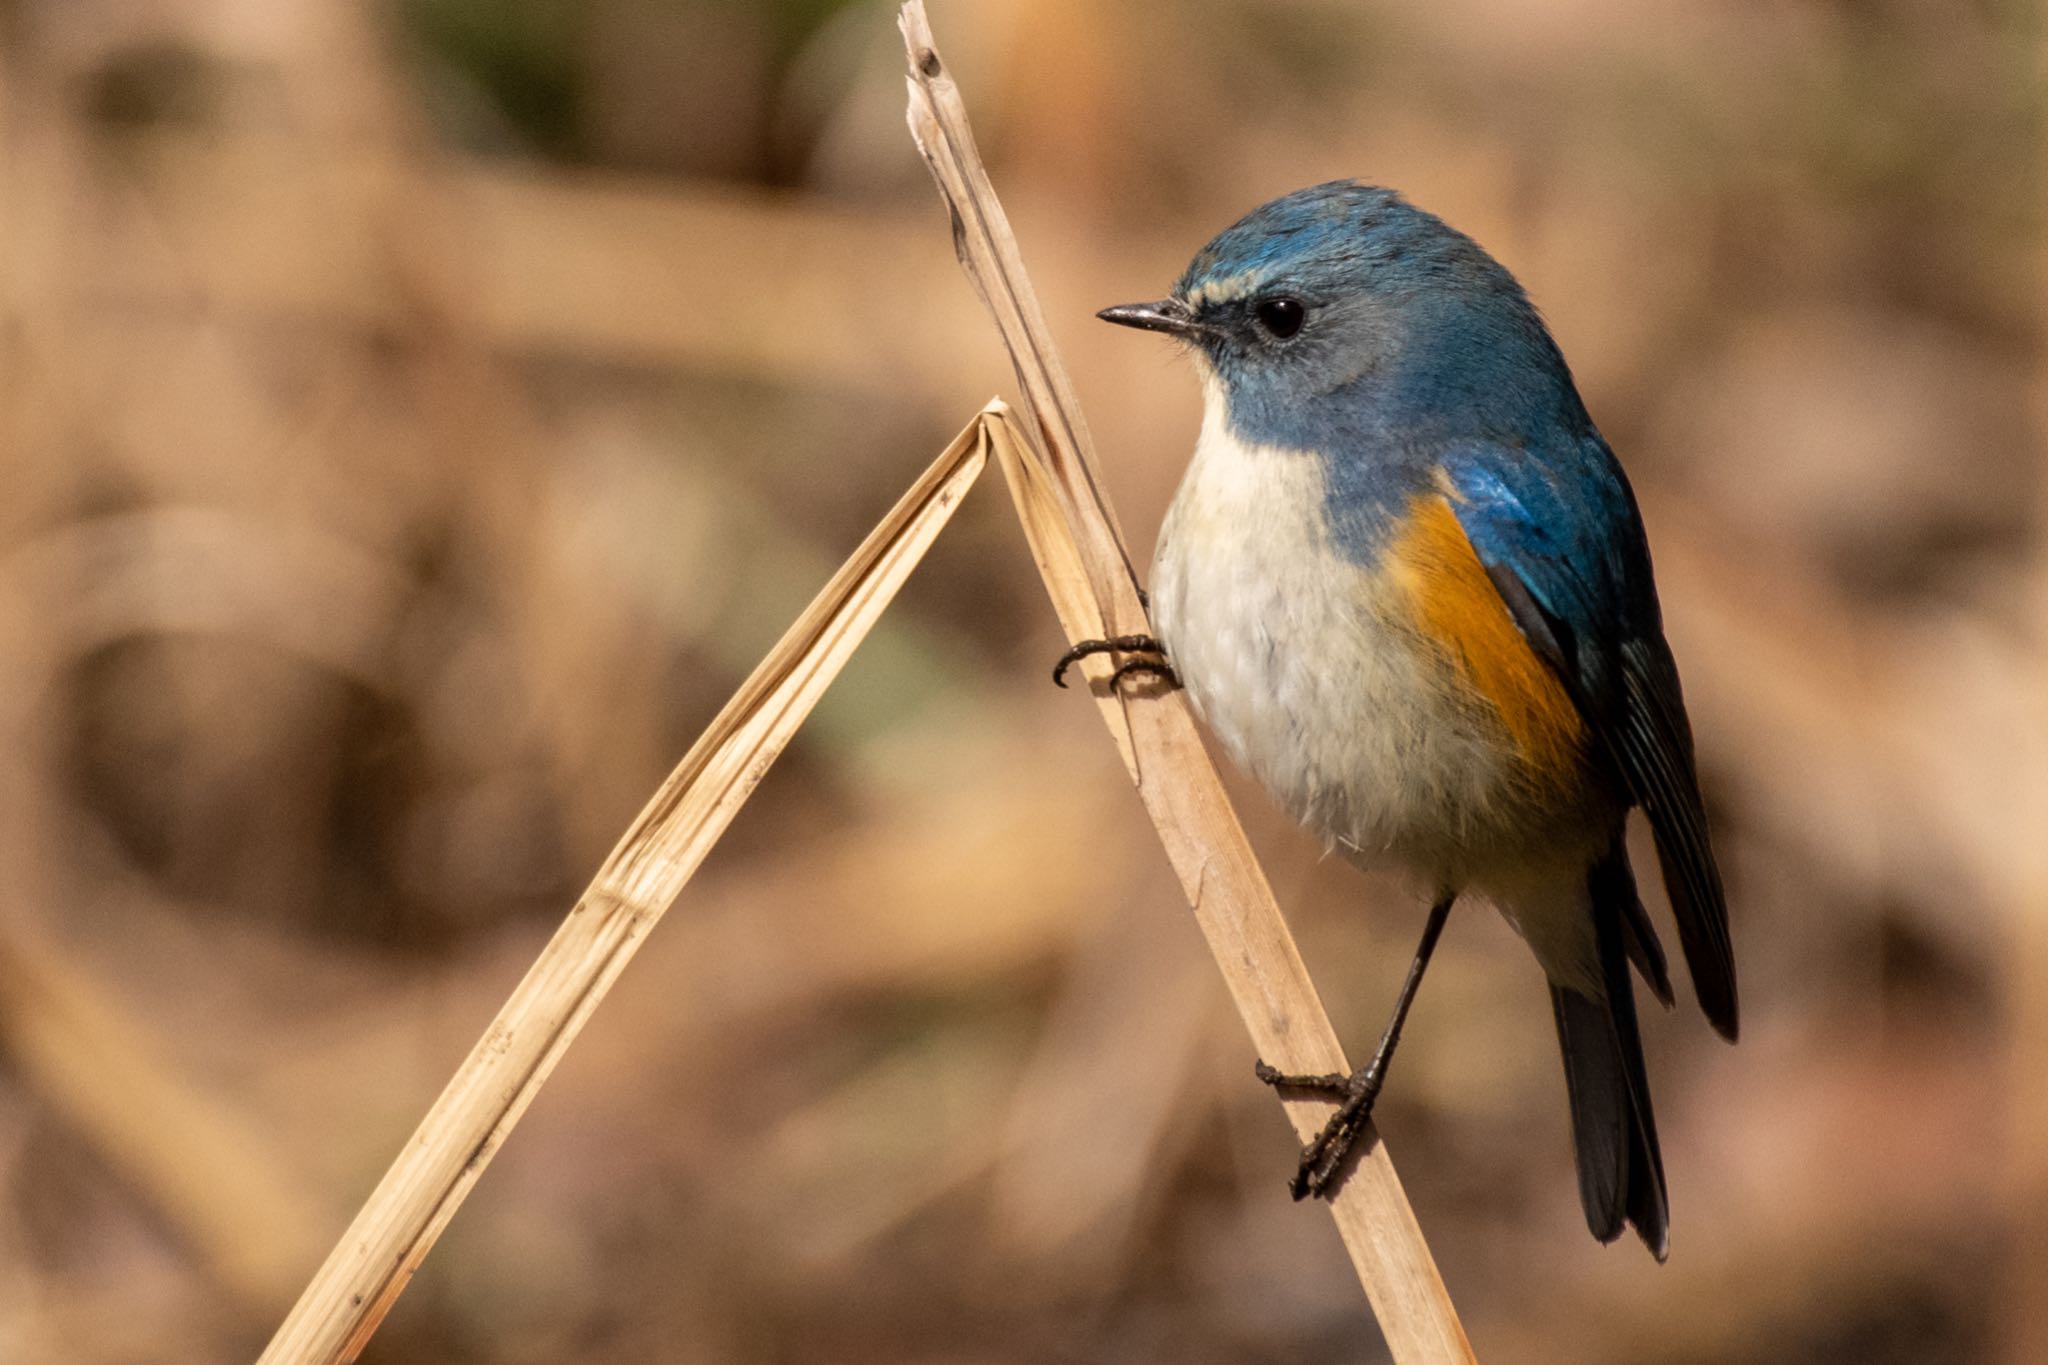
(1456, 605)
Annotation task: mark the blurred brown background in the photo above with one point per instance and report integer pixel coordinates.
(419, 416)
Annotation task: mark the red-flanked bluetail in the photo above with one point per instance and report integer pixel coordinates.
(1406, 585)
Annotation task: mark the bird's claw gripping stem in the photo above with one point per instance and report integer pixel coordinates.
(1159, 668)
(1323, 1157)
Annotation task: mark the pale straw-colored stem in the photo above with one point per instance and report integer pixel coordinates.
(1081, 554)
(369, 1268)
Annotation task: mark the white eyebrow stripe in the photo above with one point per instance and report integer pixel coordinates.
(1224, 290)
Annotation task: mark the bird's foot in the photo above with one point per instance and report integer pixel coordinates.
(1323, 1159)
(1160, 668)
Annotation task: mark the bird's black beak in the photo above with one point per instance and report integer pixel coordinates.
(1167, 315)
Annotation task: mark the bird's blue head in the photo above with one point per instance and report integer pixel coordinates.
(1341, 314)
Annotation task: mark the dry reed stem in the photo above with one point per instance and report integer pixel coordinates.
(367, 1270)
(1087, 571)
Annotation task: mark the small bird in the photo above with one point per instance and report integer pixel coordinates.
(1406, 585)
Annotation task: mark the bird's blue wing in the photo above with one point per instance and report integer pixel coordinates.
(1562, 540)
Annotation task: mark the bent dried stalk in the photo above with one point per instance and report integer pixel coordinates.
(368, 1269)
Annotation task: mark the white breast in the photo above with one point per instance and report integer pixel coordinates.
(1304, 666)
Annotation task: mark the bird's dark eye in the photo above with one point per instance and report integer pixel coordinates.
(1281, 317)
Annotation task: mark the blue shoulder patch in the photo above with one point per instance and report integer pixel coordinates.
(1564, 523)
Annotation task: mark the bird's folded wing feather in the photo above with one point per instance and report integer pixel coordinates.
(1562, 540)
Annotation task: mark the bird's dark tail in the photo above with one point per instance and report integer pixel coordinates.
(1621, 1172)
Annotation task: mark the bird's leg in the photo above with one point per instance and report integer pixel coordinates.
(1158, 668)
(1320, 1160)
